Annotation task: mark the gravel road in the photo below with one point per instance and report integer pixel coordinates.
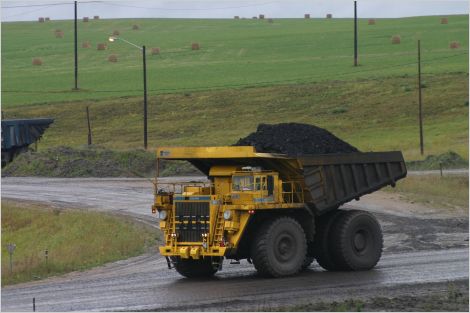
(421, 249)
(144, 283)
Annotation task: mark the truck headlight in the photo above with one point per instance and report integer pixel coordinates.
(227, 214)
(162, 215)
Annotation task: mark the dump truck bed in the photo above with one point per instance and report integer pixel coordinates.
(330, 180)
(335, 179)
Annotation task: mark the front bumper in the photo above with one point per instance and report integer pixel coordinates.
(193, 252)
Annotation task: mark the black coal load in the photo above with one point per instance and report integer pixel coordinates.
(295, 139)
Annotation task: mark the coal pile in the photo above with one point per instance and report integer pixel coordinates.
(295, 139)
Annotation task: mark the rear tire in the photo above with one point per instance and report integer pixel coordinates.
(357, 240)
(191, 268)
(322, 242)
(279, 248)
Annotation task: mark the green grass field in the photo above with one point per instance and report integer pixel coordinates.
(234, 53)
(75, 240)
(247, 72)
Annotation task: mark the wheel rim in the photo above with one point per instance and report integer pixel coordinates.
(285, 247)
(360, 241)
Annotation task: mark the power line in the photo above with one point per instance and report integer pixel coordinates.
(45, 4)
(28, 12)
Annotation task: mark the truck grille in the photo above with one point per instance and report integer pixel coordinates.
(192, 220)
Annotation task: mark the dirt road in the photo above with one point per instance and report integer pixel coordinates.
(144, 283)
(422, 252)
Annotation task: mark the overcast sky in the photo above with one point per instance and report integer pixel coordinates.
(31, 10)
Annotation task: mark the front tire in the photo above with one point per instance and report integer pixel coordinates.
(357, 240)
(191, 268)
(279, 248)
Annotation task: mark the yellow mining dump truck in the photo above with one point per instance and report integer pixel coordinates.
(278, 212)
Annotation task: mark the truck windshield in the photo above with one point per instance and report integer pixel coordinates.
(242, 183)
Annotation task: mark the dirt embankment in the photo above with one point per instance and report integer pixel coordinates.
(93, 161)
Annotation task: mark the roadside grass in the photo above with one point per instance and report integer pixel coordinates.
(446, 193)
(233, 54)
(453, 299)
(75, 240)
(374, 115)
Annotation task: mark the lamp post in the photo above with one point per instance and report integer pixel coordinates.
(144, 63)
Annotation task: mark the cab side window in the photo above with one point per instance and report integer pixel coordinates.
(270, 185)
(258, 183)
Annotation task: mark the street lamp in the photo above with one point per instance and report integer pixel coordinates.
(114, 38)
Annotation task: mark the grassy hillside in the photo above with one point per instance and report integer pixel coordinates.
(374, 115)
(75, 240)
(234, 53)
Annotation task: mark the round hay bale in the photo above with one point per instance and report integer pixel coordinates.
(48, 19)
(329, 15)
(236, 17)
(58, 33)
(270, 20)
(371, 21)
(96, 17)
(454, 45)
(155, 50)
(37, 61)
(41, 19)
(396, 39)
(112, 58)
(261, 16)
(135, 27)
(86, 44)
(444, 20)
(195, 46)
(101, 46)
(307, 15)
(116, 33)
(85, 19)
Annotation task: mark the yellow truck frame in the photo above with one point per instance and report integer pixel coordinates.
(261, 207)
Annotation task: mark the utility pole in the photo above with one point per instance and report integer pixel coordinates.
(76, 47)
(355, 33)
(421, 141)
(89, 126)
(145, 96)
